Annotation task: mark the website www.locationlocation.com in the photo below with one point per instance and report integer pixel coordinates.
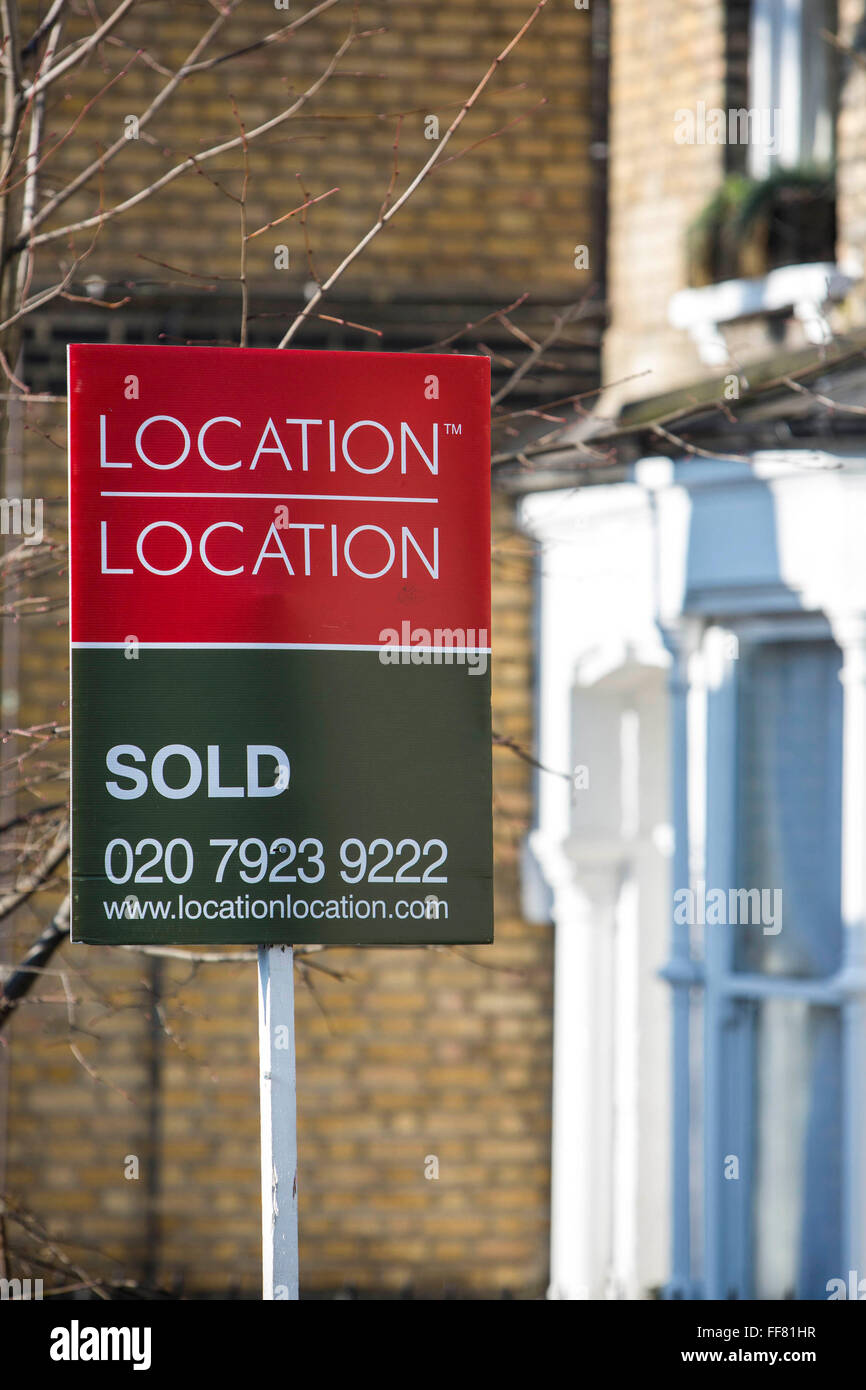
(245, 907)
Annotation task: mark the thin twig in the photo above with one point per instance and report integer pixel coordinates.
(407, 193)
(503, 741)
(294, 212)
(31, 882)
(529, 361)
(23, 978)
(269, 38)
(199, 957)
(245, 294)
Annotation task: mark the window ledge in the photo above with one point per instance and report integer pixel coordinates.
(804, 289)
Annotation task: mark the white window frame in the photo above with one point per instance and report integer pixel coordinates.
(789, 76)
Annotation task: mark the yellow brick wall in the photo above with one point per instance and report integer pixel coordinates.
(665, 57)
(414, 1053)
(503, 219)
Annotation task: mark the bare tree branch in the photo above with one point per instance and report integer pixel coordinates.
(539, 348)
(79, 52)
(28, 208)
(34, 880)
(194, 161)
(53, 14)
(52, 204)
(23, 978)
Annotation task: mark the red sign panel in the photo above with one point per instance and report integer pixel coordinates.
(228, 496)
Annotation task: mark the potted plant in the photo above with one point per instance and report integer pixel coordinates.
(751, 226)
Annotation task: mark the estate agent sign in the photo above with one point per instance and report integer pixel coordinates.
(280, 578)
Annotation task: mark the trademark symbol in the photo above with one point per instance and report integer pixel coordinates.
(453, 429)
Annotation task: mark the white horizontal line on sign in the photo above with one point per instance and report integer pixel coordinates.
(277, 496)
(281, 646)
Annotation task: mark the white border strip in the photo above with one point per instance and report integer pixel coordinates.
(276, 496)
(279, 646)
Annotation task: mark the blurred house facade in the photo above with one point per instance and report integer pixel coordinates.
(702, 675)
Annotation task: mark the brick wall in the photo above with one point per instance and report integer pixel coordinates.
(665, 57)
(413, 1053)
(503, 219)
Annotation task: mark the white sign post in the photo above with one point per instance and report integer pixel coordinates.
(277, 1091)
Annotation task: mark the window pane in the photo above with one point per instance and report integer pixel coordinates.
(792, 74)
(790, 807)
(818, 103)
(796, 1197)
